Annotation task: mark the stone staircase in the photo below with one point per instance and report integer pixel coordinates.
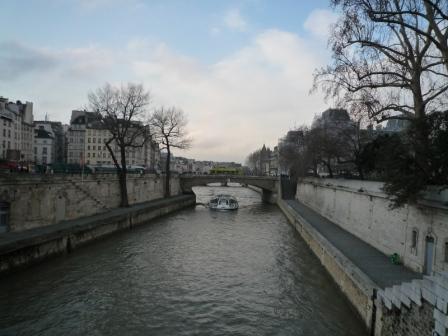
(85, 192)
(431, 291)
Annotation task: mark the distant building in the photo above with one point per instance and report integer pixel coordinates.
(184, 165)
(86, 144)
(44, 146)
(335, 119)
(56, 131)
(16, 130)
(274, 162)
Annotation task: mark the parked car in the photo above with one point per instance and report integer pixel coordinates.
(9, 166)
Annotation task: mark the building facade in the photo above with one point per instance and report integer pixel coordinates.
(16, 131)
(44, 145)
(86, 144)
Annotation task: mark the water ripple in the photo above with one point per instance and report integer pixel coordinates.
(197, 272)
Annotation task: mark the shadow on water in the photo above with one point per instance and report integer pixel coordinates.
(195, 272)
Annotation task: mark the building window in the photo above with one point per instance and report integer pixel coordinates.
(414, 241)
(93, 154)
(414, 238)
(88, 147)
(94, 140)
(94, 147)
(44, 150)
(88, 140)
(88, 154)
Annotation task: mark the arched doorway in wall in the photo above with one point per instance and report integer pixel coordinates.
(429, 255)
(4, 216)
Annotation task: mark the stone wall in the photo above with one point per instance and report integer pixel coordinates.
(37, 201)
(356, 285)
(28, 247)
(418, 308)
(361, 208)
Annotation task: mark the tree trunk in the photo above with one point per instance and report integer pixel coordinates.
(360, 172)
(330, 171)
(122, 177)
(168, 173)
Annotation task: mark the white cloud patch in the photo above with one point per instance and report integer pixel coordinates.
(319, 22)
(236, 104)
(244, 100)
(234, 20)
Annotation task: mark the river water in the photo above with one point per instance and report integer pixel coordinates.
(195, 272)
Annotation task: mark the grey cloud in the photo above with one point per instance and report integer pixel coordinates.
(17, 60)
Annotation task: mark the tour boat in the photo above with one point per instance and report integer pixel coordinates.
(223, 202)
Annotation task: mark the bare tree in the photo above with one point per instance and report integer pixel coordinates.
(387, 63)
(292, 150)
(122, 111)
(168, 127)
(253, 161)
(386, 60)
(414, 15)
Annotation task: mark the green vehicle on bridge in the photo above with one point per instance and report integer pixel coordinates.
(226, 171)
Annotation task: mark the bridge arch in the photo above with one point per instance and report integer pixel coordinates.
(268, 184)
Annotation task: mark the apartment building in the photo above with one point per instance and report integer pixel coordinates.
(44, 146)
(16, 130)
(86, 144)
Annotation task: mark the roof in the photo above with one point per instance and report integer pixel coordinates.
(42, 134)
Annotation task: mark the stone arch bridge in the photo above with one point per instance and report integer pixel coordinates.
(268, 184)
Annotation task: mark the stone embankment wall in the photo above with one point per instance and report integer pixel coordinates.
(418, 308)
(362, 208)
(27, 247)
(37, 201)
(356, 285)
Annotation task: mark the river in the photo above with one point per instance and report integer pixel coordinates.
(195, 272)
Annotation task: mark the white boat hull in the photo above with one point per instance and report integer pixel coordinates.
(223, 202)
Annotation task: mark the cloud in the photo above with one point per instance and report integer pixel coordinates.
(17, 60)
(319, 22)
(234, 20)
(250, 97)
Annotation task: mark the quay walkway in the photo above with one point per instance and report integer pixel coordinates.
(373, 263)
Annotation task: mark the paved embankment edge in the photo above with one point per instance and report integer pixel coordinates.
(256, 189)
(355, 284)
(18, 249)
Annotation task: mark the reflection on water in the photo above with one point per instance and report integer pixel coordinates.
(196, 272)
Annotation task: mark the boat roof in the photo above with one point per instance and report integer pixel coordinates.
(223, 196)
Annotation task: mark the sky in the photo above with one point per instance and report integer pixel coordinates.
(241, 70)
